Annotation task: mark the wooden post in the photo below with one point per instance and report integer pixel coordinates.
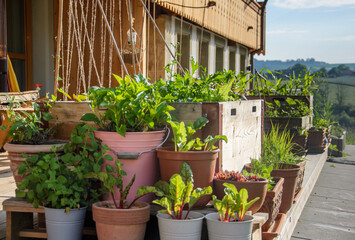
(59, 37)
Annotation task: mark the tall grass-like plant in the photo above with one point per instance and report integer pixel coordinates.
(277, 148)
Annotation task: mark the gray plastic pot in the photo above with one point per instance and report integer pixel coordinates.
(176, 229)
(61, 225)
(218, 230)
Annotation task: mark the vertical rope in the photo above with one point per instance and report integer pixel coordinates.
(129, 13)
(181, 26)
(121, 42)
(148, 40)
(141, 44)
(155, 48)
(203, 20)
(112, 13)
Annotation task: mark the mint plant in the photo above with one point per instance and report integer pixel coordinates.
(234, 204)
(135, 106)
(178, 193)
(57, 180)
(184, 136)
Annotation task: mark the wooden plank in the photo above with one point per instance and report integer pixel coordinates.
(16, 56)
(32, 233)
(20, 205)
(28, 44)
(19, 96)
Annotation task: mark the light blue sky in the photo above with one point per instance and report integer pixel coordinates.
(320, 29)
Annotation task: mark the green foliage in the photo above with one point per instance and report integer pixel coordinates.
(288, 108)
(178, 193)
(135, 105)
(277, 149)
(183, 136)
(57, 180)
(113, 177)
(233, 202)
(292, 85)
(260, 169)
(217, 87)
(29, 127)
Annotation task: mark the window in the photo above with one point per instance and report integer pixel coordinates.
(232, 60)
(204, 55)
(219, 59)
(184, 49)
(243, 56)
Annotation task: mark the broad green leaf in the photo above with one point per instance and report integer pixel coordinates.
(90, 117)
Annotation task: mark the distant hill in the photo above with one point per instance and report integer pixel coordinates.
(310, 63)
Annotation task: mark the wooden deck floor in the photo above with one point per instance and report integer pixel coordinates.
(7, 189)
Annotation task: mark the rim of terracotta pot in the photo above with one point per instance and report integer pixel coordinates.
(113, 216)
(290, 171)
(172, 149)
(262, 181)
(33, 148)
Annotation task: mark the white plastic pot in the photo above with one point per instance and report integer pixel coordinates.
(218, 230)
(64, 226)
(175, 229)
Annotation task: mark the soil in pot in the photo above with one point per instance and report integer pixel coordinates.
(16, 151)
(202, 163)
(254, 188)
(115, 224)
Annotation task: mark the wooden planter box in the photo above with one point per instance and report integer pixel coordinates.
(240, 121)
(340, 144)
(287, 123)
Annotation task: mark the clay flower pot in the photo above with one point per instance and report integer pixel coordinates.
(300, 143)
(202, 163)
(145, 167)
(300, 177)
(316, 141)
(272, 202)
(15, 152)
(128, 224)
(290, 173)
(254, 188)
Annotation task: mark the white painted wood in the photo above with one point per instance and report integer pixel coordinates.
(194, 47)
(171, 38)
(212, 55)
(226, 56)
(237, 59)
(243, 131)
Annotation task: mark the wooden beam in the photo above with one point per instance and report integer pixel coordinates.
(20, 56)
(59, 36)
(28, 44)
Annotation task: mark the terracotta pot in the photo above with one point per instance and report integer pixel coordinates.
(316, 141)
(128, 224)
(15, 152)
(255, 189)
(290, 173)
(203, 165)
(145, 168)
(300, 176)
(300, 143)
(272, 202)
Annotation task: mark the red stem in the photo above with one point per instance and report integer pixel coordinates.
(226, 216)
(121, 201)
(114, 202)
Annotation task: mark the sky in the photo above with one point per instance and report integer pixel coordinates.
(320, 29)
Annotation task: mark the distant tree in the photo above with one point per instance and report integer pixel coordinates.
(343, 67)
(334, 72)
(298, 68)
(323, 71)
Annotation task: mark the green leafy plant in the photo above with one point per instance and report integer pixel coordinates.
(113, 177)
(135, 106)
(288, 108)
(29, 127)
(233, 203)
(178, 193)
(57, 180)
(184, 136)
(237, 176)
(277, 148)
(262, 171)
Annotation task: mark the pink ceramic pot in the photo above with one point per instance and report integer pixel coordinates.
(146, 167)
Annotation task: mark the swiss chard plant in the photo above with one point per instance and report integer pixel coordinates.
(234, 204)
(28, 127)
(184, 136)
(179, 192)
(113, 177)
(134, 105)
(57, 180)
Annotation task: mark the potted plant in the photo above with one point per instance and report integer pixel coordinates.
(121, 217)
(200, 155)
(231, 218)
(299, 140)
(131, 119)
(29, 135)
(338, 140)
(277, 153)
(57, 183)
(175, 195)
(253, 183)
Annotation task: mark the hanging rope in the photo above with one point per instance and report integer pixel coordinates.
(129, 13)
(203, 20)
(112, 13)
(181, 26)
(155, 48)
(161, 35)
